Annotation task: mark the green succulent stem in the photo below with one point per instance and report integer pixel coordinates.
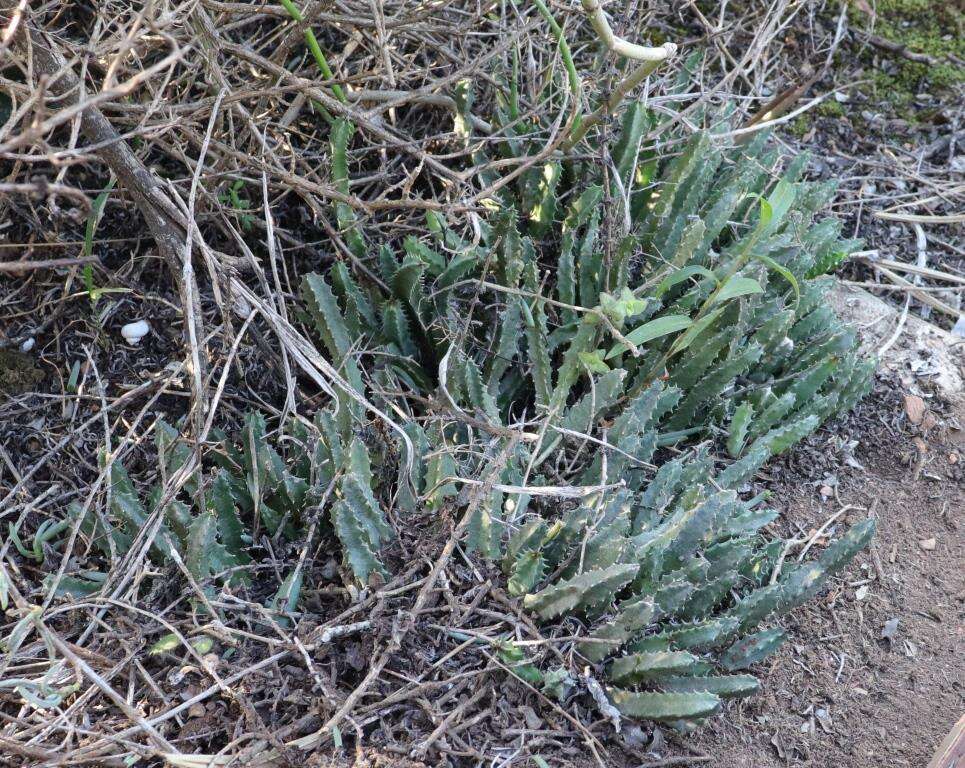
(576, 86)
(617, 95)
(312, 42)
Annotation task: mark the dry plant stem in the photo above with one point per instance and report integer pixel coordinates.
(952, 218)
(548, 491)
(159, 741)
(170, 229)
(777, 106)
(591, 741)
(766, 31)
(602, 443)
(193, 652)
(740, 134)
(405, 623)
(820, 531)
(419, 750)
(26, 266)
(112, 456)
(304, 353)
(66, 243)
(44, 189)
(712, 33)
(159, 381)
(788, 546)
(37, 131)
(226, 159)
(193, 318)
(898, 328)
(667, 762)
(922, 296)
(399, 98)
(933, 274)
(165, 222)
(557, 138)
(92, 751)
(15, 18)
(12, 747)
(336, 107)
(901, 50)
(902, 288)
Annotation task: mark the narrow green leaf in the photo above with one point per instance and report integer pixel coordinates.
(737, 286)
(782, 271)
(653, 329)
(683, 274)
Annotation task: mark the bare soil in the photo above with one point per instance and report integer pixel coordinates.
(845, 691)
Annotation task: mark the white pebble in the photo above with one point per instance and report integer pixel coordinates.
(134, 332)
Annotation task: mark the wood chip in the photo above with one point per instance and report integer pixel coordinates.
(914, 408)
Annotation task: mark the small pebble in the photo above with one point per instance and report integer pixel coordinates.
(134, 332)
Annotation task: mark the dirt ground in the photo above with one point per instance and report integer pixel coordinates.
(850, 689)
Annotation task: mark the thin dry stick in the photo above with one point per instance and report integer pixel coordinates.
(163, 219)
(898, 328)
(190, 299)
(45, 189)
(159, 381)
(820, 531)
(922, 296)
(88, 672)
(952, 218)
(403, 623)
(170, 230)
(549, 491)
(933, 274)
(91, 751)
(27, 266)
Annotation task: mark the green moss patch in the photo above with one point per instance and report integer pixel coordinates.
(935, 28)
